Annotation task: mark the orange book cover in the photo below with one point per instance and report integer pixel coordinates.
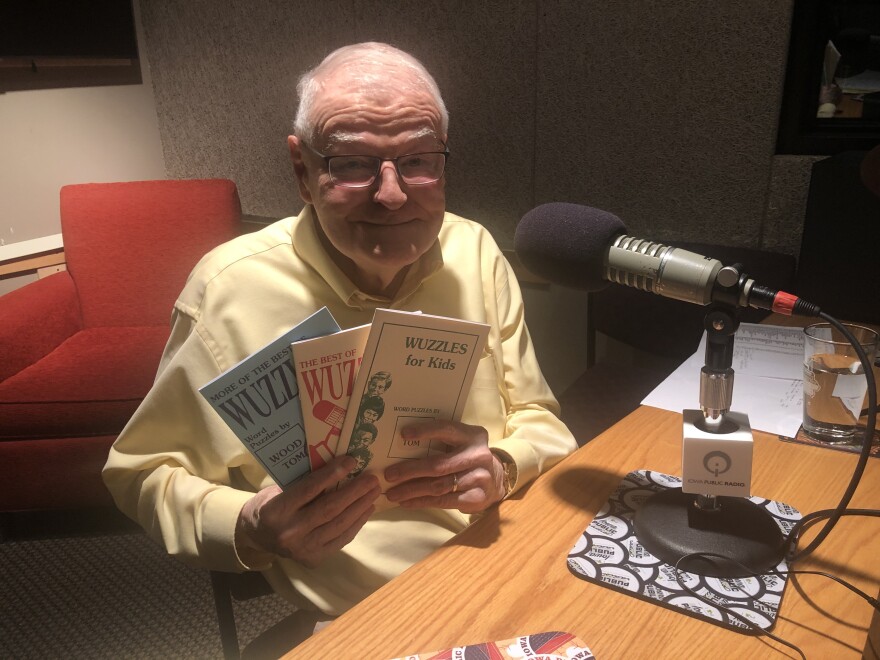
(542, 646)
(326, 368)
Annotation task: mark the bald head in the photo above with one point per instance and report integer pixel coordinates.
(367, 70)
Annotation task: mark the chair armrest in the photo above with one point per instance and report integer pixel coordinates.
(36, 319)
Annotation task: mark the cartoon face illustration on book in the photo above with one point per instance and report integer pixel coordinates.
(379, 383)
(372, 407)
(359, 448)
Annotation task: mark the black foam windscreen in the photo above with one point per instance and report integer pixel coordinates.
(566, 243)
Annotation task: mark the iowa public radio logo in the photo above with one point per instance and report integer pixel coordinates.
(717, 463)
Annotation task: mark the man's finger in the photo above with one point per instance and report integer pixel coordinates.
(326, 536)
(426, 468)
(313, 484)
(427, 487)
(342, 529)
(444, 430)
(333, 504)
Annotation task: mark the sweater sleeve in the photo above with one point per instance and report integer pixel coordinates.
(534, 436)
(173, 467)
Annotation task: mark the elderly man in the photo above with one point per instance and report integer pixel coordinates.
(369, 152)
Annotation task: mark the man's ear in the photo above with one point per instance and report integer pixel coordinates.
(299, 168)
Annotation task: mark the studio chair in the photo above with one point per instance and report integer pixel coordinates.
(652, 335)
(228, 587)
(278, 636)
(79, 349)
(839, 262)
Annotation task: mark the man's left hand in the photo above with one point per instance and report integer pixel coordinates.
(470, 478)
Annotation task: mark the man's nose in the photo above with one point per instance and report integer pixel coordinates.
(389, 192)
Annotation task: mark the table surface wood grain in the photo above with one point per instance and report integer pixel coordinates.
(507, 575)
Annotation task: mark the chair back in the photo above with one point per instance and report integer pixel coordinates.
(839, 262)
(130, 246)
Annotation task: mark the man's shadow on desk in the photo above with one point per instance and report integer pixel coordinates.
(586, 489)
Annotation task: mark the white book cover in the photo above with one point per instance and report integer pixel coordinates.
(415, 366)
(259, 400)
(326, 368)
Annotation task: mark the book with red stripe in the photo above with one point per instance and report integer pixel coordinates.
(326, 368)
(541, 646)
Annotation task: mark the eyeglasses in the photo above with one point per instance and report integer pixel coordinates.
(360, 171)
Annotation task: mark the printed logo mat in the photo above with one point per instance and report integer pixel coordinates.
(608, 553)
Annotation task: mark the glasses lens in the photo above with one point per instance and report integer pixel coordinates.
(421, 168)
(353, 170)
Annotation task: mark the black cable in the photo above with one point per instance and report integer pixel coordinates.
(816, 516)
(791, 540)
(755, 630)
(873, 602)
(832, 515)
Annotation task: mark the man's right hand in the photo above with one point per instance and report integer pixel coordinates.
(307, 522)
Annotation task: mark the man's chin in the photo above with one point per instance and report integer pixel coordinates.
(398, 256)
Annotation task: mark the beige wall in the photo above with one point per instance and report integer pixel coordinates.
(664, 113)
(51, 138)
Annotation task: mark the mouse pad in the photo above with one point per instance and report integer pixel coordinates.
(608, 553)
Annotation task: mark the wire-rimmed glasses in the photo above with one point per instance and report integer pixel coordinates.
(358, 171)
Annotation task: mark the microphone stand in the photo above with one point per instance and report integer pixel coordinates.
(691, 530)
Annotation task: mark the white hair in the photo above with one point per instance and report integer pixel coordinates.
(369, 64)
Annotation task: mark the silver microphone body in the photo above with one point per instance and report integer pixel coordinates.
(667, 271)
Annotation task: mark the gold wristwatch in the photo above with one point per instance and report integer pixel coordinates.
(510, 471)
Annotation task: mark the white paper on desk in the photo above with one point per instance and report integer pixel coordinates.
(862, 83)
(768, 379)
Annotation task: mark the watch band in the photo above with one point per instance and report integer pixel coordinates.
(510, 471)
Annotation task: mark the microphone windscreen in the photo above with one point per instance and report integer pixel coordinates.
(566, 243)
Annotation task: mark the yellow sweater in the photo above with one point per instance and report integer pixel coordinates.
(183, 474)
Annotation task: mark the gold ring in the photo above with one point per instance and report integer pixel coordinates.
(455, 483)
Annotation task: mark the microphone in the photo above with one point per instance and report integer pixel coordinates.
(586, 248)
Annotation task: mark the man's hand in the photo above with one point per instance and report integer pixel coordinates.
(470, 478)
(304, 522)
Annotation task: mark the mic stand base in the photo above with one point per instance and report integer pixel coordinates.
(671, 526)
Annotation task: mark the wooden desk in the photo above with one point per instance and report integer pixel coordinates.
(507, 574)
(44, 255)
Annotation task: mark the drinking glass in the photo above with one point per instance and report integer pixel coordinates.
(835, 383)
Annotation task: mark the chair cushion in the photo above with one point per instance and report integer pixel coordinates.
(36, 319)
(50, 473)
(90, 385)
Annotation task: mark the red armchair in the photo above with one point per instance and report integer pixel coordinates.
(79, 349)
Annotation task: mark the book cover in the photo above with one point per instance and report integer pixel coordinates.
(326, 368)
(258, 399)
(541, 646)
(415, 366)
